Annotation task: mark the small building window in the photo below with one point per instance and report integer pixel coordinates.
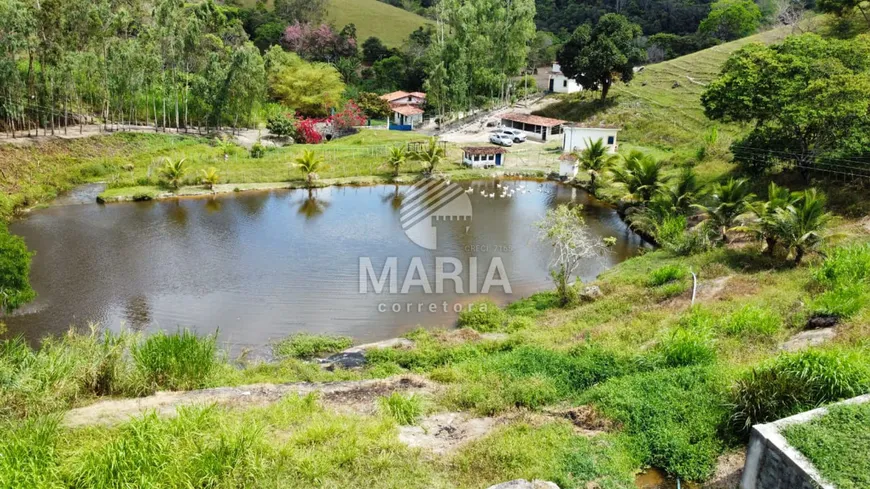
(610, 139)
(565, 83)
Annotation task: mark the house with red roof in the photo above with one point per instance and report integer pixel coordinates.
(407, 109)
(534, 126)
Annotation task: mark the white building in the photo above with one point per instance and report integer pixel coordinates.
(577, 137)
(535, 126)
(483, 156)
(559, 83)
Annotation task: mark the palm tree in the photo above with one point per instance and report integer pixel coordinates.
(398, 156)
(210, 177)
(310, 164)
(430, 156)
(763, 214)
(173, 172)
(680, 196)
(640, 175)
(728, 201)
(594, 159)
(799, 225)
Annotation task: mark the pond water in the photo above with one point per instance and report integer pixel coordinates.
(260, 266)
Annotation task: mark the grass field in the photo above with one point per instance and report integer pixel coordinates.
(372, 18)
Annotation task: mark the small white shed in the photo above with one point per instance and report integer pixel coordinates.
(559, 83)
(577, 137)
(568, 166)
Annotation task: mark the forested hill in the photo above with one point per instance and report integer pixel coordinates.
(654, 16)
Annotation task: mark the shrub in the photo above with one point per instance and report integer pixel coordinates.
(794, 382)
(282, 125)
(306, 346)
(179, 361)
(15, 288)
(484, 316)
(406, 410)
(519, 323)
(672, 416)
(667, 274)
(843, 302)
(752, 321)
(673, 236)
(535, 305)
(258, 150)
(686, 347)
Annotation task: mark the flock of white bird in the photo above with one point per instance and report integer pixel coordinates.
(505, 191)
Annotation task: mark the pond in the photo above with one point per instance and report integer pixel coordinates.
(260, 266)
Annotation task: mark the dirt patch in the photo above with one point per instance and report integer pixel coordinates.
(585, 419)
(729, 468)
(444, 433)
(355, 396)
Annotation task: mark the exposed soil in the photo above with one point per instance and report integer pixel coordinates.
(586, 420)
(356, 396)
(813, 337)
(444, 433)
(729, 468)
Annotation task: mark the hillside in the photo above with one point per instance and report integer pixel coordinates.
(661, 107)
(373, 18)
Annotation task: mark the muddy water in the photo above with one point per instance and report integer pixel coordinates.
(260, 266)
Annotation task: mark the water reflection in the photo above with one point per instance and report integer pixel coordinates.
(263, 265)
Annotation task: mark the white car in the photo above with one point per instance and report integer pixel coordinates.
(501, 139)
(516, 135)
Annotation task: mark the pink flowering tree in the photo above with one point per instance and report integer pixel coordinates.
(317, 43)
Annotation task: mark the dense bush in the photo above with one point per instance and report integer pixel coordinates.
(282, 125)
(667, 274)
(794, 382)
(672, 416)
(845, 266)
(15, 288)
(483, 316)
(180, 361)
(306, 346)
(684, 347)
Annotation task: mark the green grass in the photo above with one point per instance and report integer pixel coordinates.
(307, 346)
(405, 410)
(373, 18)
(180, 361)
(836, 444)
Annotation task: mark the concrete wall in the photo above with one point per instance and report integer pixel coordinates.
(771, 463)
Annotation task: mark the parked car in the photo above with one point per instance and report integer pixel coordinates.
(501, 139)
(516, 135)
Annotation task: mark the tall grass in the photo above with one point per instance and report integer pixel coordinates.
(406, 410)
(179, 361)
(795, 382)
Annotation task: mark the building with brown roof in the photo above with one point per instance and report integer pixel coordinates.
(483, 156)
(405, 98)
(534, 126)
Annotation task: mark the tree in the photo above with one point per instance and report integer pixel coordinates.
(210, 177)
(309, 88)
(15, 289)
(282, 125)
(595, 56)
(842, 8)
(731, 19)
(373, 105)
(430, 155)
(309, 163)
(564, 229)
(348, 68)
(727, 202)
(640, 175)
(173, 172)
(763, 219)
(808, 98)
(300, 10)
(374, 50)
(318, 42)
(398, 156)
(799, 226)
(595, 159)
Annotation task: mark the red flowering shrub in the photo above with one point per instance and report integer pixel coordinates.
(348, 118)
(306, 130)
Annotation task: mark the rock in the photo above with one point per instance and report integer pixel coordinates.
(592, 292)
(676, 85)
(809, 338)
(820, 321)
(345, 360)
(390, 343)
(524, 484)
